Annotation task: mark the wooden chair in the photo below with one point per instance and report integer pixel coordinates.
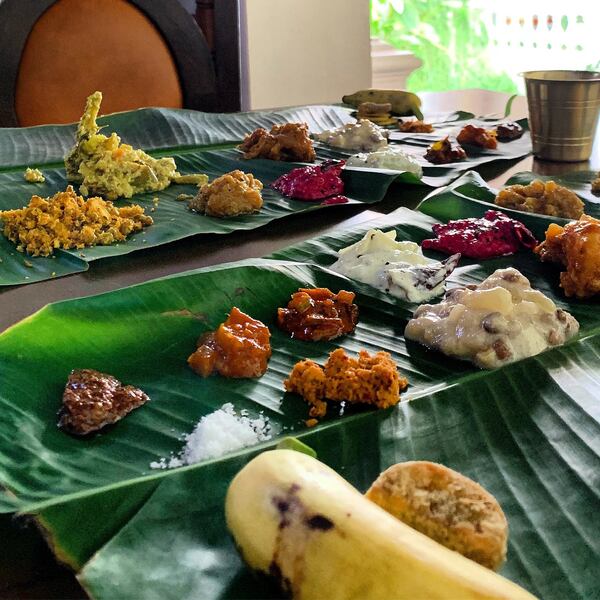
(54, 53)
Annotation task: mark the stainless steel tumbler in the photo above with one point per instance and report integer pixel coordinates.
(563, 113)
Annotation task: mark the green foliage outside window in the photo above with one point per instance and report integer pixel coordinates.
(447, 35)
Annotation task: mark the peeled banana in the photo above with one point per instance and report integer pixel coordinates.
(403, 103)
(298, 520)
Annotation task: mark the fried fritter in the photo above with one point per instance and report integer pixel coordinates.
(377, 113)
(235, 193)
(445, 506)
(576, 246)
(289, 142)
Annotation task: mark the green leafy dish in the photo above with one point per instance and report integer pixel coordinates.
(528, 431)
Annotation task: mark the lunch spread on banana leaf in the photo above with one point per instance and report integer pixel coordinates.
(104, 170)
(500, 320)
(421, 529)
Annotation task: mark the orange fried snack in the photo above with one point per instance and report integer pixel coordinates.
(240, 347)
(576, 246)
(368, 379)
(478, 136)
(378, 113)
(414, 126)
(318, 314)
(290, 142)
(235, 193)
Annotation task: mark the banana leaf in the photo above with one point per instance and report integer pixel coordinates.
(172, 219)
(529, 433)
(532, 427)
(183, 135)
(157, 128)
(470, 196)
(437, 176)
(578, 181)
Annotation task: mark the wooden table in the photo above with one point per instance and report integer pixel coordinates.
(31, 572)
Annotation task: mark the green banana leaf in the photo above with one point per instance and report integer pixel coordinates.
(529, 433)
(172, 219)
(437, 176)
(524, 431)
(470, 196)
(157, 128)
(185, 135)
(177, 133)
(578, 181)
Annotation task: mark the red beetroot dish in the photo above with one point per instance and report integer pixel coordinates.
(314, 182)
(493, 235)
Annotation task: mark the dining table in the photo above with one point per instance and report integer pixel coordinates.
(28, 568)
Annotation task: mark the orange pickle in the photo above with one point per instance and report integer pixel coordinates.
(317, 314)
(239, 348)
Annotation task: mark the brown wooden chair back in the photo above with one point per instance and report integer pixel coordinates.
(54, 53)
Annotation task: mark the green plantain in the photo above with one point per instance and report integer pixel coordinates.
(403, 103)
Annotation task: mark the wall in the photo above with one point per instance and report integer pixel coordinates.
(303, 51)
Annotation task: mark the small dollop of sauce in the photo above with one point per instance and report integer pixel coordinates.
(445, 151)
(240, 347)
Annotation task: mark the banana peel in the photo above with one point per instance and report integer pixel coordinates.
(403, 102)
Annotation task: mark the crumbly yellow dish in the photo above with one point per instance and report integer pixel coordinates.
(103, 166)
(368, 379)
(68, 221)
(543, 198)
(232, 194)
(33, 176)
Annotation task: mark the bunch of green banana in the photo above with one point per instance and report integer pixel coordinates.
(298, 520)
(403, 103)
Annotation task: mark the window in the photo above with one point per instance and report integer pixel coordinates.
(484, 44)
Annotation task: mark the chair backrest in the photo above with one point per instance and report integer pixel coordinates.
(54, 53)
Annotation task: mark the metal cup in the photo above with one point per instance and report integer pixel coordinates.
(563, 113)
